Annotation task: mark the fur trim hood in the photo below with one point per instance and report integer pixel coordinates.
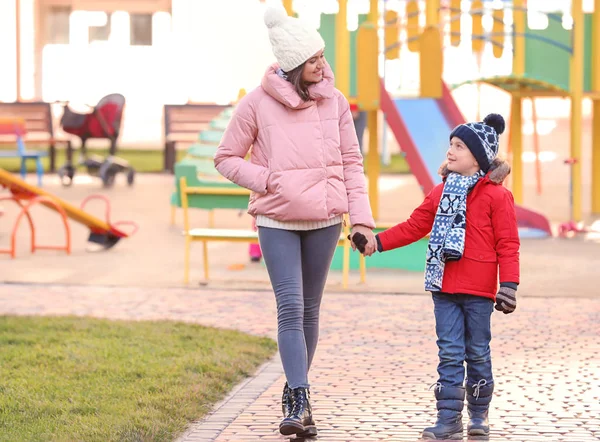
(499, 170)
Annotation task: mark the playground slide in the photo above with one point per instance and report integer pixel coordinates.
(101, 232)
(421, 127)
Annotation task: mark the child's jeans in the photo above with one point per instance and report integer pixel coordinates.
(463, 328)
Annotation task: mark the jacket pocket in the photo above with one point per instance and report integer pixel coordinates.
(480, 255)
(479, 270)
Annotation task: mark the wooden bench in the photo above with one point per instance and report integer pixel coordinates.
(206, 235)
(183, 123)
(38, 126)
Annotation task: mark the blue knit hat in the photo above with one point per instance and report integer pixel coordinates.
(482, 138)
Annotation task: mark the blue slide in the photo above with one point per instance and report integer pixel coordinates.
(422, 127)
(428, 129)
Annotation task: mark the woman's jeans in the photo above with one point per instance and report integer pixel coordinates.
(463, 328)
(298, 263)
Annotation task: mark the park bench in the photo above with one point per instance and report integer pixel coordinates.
(39, 128)
(183, 123)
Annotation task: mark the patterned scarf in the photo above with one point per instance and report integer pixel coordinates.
(447, 239)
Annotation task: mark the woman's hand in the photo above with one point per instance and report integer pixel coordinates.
(371, 246)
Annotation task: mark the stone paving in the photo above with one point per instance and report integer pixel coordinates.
(375, 361)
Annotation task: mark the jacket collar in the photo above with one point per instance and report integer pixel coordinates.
(499, 170)
(284, 92)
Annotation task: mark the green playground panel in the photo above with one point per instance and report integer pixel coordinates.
(587, 53)
(208, 202)
(544, 61)
(204, 166)
(219, 123)
(327, 31)
(200, 150)
(210, 136)
(227, 113)
(411, 258)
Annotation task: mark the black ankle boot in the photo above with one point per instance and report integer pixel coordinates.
(479, 396)
(450, 403)
(286, 400)
(300, 420)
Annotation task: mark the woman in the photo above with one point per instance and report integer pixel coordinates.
(305, 172)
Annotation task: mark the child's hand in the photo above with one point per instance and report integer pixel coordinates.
(371, 243)
(506, 300)
(360, 241)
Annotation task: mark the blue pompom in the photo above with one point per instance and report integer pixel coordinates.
(496, 121)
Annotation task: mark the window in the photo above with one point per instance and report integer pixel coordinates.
(99, 26)
(58, 25)
(141, 29)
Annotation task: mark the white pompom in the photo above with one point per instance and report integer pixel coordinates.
(274, 16)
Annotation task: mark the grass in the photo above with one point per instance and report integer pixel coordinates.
(398, 165)
(67, 379)
(143, 161)
(149, 160)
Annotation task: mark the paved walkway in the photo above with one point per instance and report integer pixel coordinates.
(375, 360)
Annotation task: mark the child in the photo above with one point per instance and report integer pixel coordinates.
(474, 233)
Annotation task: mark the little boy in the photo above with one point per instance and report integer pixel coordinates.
(474, 233)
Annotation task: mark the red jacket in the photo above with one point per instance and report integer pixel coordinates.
(491, 236)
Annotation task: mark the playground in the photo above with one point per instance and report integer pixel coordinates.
(97, 228)
(557, 198)
(159, 245)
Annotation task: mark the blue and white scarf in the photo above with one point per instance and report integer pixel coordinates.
(447, 239)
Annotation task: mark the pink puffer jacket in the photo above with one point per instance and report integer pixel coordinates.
(305, 163)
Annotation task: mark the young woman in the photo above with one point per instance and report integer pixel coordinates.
(305, 172)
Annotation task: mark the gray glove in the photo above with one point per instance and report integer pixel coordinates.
(506, 300)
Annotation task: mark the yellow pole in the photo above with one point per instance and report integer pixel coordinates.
(346, 260)
(516, 143)
(516, 122)
(431, 59)
(455, 16)
(186, 227)
(576, 102)
(519, 27)
(596, 109)
(287, 4)
(432, 12)
(373, 163)
(342, 49)
(18, 44)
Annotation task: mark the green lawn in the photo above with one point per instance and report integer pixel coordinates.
(142, 160)
(398, 165)
(152, 161)
(68, 379)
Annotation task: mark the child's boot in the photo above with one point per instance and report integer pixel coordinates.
(450, 403)
(479, 396)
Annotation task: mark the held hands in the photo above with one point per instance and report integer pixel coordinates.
(363, 239)
(506, 300)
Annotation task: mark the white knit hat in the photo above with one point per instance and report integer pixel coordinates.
(293, 40)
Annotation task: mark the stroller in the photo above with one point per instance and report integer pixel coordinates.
(103, 122)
